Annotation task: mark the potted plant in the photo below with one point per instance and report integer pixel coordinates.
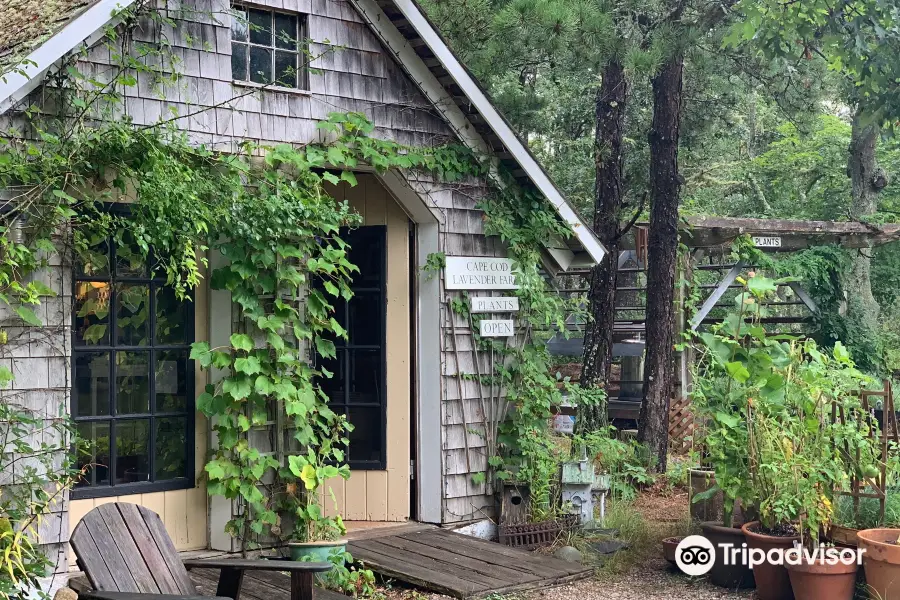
(768, 403)
(317, 537)
(881, 561)
(720, 398)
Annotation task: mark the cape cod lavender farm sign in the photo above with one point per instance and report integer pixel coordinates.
(479, 273)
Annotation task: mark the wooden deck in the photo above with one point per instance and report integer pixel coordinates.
(461, 566)
(425, 556)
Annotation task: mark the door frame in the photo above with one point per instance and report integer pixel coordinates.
(426, 477)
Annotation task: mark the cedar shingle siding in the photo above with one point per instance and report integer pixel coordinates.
(355, 73)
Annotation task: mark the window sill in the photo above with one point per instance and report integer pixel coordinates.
(270, 88)
(129, 489)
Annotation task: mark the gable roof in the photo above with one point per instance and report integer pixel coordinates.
(56, 27)
(28, 23)
(53, 29)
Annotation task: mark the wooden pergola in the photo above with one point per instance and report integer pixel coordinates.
(709, 241)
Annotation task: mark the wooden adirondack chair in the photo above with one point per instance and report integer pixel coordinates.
(127, 555)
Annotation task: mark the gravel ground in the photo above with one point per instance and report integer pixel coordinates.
(652, 577)
(655, 580)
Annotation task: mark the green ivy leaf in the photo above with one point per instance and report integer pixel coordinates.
(249, 365)
(221, 360)
(94, 333)
(41, 289)
(6, 376)
(263, 385)
(237, 387)
(200, 352)
(325, 347)
(241, 341)
(331, 288)
(27, 315)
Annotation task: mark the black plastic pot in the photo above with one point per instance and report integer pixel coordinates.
(731, 576)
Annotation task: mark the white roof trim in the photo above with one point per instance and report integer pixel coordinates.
(439, 96)
(86, 27)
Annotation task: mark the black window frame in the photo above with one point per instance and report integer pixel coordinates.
(154, 282)
(301, 70)
(346, 348)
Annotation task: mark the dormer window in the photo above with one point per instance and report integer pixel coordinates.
(268, 47)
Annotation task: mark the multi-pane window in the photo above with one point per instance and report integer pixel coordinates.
(132, 397)
(358, 387)
(268, 47)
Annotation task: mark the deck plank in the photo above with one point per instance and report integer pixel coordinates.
(478, 565)
(497, 554)
(424, 577)
(445, 564)
(461, 566)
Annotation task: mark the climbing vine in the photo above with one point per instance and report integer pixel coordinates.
(266, 211)
(520, 447)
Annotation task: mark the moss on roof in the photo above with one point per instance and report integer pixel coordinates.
(26, 24)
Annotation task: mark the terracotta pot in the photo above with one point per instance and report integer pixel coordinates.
(731, 576)
(843, 536)
(881, 562)
(821, 581)
(772, 581)
(669, 546)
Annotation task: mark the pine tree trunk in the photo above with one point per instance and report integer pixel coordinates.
(609, 192)
(661, 259)
(867, 181)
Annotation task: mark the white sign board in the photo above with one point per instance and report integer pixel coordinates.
(481, 304)
(479, 273)
(498, 328)
(766, 241)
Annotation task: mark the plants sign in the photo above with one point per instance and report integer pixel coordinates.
(483, 304)
(765, 241)
(479, 273)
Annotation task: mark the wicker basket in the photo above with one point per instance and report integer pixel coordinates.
(530, 536)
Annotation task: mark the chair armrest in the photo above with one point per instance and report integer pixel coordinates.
(260, 564)
(101, 595)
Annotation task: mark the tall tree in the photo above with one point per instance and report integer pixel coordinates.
(665, 188)
(609, 153)
(866, 182)
(861, 41)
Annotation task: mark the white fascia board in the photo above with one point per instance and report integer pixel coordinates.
(498, 124)
(87, 27)
(398, 44)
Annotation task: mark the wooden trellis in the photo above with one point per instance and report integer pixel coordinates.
(681, 423)
(887, 431)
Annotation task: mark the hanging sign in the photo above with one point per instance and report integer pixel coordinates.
(497, 328)
(479, 273)
(482, 304)
(761, 241)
